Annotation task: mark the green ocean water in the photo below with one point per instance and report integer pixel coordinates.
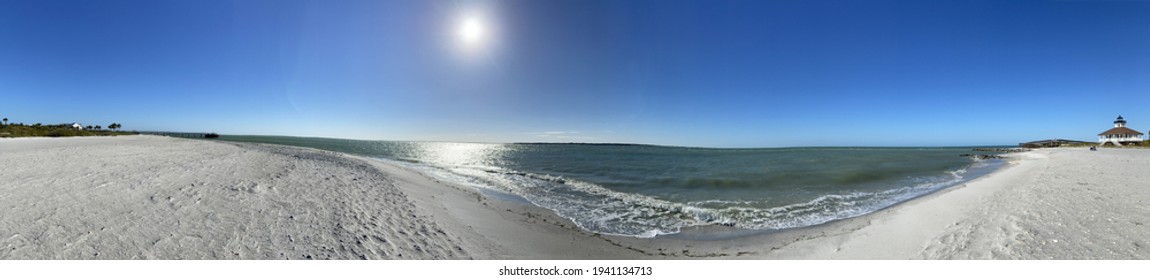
(646, 191)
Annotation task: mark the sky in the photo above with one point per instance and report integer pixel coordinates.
(756, 73)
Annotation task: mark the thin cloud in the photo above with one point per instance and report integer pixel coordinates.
(552, 133)
(561, 135)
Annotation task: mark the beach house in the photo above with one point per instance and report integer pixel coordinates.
(77, 126)
(1120, 134)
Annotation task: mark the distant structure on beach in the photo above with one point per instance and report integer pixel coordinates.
(1120, 134)
(77, 126)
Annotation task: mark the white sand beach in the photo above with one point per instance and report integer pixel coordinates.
(1047, 204)
(150, 197)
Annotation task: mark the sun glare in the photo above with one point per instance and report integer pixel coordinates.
(471, 31)
(474, 34)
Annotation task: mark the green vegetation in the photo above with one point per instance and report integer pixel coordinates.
(8, 130)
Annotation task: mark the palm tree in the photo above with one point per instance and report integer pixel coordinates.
(5, 121)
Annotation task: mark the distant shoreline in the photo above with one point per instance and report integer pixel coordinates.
(240, 138)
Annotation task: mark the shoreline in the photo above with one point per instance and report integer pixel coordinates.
(711, 241)
(228, 200)
(938, 225)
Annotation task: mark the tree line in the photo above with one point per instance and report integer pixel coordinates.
(9, 129)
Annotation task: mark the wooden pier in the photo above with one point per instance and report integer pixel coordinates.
(183, 134)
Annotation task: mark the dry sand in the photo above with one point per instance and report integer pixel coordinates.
(148, 197)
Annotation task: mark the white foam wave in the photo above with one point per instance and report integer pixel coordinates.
(598, 209)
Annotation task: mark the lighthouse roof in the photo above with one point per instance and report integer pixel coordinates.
(1120, 131)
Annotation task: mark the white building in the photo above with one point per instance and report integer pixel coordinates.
(77, 126)
(1120, 134)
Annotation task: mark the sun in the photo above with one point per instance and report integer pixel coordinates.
(472, 30)
(474, 34)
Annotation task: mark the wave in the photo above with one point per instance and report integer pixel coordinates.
(601, 210)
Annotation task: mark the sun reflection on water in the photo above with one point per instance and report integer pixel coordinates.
(461, 154)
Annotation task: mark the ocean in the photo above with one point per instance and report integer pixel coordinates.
(648, 191)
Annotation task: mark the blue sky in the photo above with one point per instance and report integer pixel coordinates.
(695, 73)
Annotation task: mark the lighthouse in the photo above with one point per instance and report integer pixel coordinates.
(1120, 134)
